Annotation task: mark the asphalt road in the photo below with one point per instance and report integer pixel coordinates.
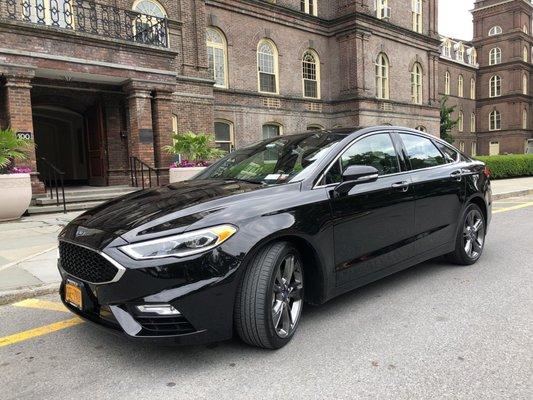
(435, 331)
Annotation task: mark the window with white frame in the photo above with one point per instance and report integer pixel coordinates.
(495, 121)
(311, 74)
(314, 127)
(421, 128)
(524, 118)
(382, 76)
(447, 83)
(473, 122)
(525, 54)
(267, 66)
(382, 9)
(416, 83)
(144, 27)
(495, 89)
(460, 53)
(495, 30)
(472, 88)
(495, 56)
(447, 49)
(217, 51)
(462, 146)
(174, 124)
(473, 150)
(525, 84)
(461, 86)
(461, 122)
(472, 56)
(525, 29)
(494, 148)
(417, 15)
(224, 137)
(271, 130)
(309, 7)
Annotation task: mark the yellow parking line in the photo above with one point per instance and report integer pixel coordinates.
(42, 304)
(43, 330)
(513, 208)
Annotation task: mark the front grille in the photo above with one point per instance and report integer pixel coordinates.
(85, 264)
(164, 325)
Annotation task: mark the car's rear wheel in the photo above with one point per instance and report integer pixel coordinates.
(270, 298)
(470, 239)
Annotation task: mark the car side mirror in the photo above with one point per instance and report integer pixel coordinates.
(355, 175)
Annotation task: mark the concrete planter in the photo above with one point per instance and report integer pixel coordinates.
(184, 174)
(15, 195)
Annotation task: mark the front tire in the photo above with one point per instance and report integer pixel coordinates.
(270, 298)
(470, 239)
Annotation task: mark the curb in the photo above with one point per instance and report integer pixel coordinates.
(12, 296)
(506, 195)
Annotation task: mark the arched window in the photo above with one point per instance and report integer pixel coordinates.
(495, 56)
(524, 84)
(524, 118)
(460, 52)
(473, 151)
(315, 127)
(224, 137)
(447, 49)
(462, 146)
(495, 121)
(525, 54)
(461, 86)
(525, 29)
(217, 55)
(447, 83)
(421, 128)
(416, 83)
(472, 56)
(495, 30)
(473, 122)
(309, 7)
(174, 124)
(472, 88)
(461, 122)
(495, 86)
(146, 28)
(417, 15)
(311, 74)
(272, 130)
(267, 66)
(382, 76)
(382, 9)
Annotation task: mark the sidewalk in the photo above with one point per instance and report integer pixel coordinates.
(28, 247)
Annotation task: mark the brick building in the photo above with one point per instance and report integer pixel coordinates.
(96, 83)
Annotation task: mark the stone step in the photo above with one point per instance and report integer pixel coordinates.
(82, 197)
(92, 190)
(32, 210)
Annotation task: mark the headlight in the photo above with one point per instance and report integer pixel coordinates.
(182, 245)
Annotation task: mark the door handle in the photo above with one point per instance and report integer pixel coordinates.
(401, 186)
(457, 175)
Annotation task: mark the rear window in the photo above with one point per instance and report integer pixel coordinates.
(450, 154)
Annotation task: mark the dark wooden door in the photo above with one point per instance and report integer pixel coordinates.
(96, 146)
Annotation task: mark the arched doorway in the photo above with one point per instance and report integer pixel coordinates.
(60, 139)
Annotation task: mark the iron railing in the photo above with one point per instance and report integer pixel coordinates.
(54, 182)
(89, 17)
(139, 169)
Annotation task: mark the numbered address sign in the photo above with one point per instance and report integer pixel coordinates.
(24, 135)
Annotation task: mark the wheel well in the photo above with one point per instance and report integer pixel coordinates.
(481, 204)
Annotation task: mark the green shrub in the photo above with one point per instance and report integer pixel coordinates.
(509, 166)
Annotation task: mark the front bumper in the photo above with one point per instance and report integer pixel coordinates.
(201, 288)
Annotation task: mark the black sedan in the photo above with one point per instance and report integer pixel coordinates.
(292, 219)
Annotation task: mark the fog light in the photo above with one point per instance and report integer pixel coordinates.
(159, 309)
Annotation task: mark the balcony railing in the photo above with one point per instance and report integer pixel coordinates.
(89, 17)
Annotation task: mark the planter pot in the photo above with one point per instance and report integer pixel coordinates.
(15, 195)
(184, 174)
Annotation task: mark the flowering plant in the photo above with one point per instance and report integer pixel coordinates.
(189, 164)
(20, 170)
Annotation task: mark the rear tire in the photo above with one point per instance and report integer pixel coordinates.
(470, 239)
(270, 298)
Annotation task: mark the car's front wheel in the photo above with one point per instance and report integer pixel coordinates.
(270, 298)
(470, 239)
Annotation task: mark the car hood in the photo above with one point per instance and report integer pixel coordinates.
(166, 210)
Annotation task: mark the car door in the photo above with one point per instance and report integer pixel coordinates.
(439, 187)
(373, 222)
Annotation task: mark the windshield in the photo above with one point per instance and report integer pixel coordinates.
(274, 161)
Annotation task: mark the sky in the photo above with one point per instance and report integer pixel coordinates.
(455, 19)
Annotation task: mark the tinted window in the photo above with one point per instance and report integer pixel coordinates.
(376, 151)
(450, 154)
(421, 151)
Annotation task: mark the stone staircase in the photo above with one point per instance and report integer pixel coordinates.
(78, 199)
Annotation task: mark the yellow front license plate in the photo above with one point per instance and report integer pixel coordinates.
(73, 295)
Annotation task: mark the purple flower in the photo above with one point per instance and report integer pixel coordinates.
(189, 164)
(20, 170)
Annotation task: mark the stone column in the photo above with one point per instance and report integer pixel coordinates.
(140, 129)
(162, 121)
(19, 117)
(117, 149)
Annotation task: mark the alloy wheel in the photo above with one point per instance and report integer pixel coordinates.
(473, 234)
(287, 296)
